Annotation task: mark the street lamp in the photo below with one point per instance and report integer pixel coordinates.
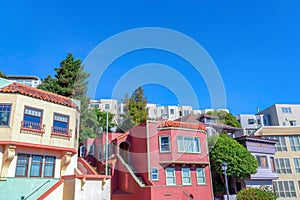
(106, 150)
(224, 168)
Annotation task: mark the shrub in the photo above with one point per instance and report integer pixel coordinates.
(249, 193)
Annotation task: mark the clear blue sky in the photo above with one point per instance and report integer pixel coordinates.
(255, 44)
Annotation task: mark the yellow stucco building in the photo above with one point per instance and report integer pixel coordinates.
(38, 147)
(287, 159)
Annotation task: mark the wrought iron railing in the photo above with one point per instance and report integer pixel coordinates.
(59, 131)
(32, 126)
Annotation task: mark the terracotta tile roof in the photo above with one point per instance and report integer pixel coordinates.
(38, 94)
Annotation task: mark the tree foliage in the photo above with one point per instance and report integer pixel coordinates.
(137, 106)
(249, 193)
(241, 163)
(102, 118)
(225, 118)
(71, 81)
(135, 111)
(2, 75)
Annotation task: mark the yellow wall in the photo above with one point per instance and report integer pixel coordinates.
(285, 131)
(13, 131)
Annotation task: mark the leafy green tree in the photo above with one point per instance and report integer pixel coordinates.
(137, 106)
(241, 163)
(225, 118)
(2, 75)
(101, 118)
(249, 193)
(71, 81)
(135, 111)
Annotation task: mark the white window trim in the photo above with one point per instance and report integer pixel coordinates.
(290, 184)
(160, 150)
(296, 167)
(190, 183)
(200, 168)
(192, 152)
(152, 174)
(174, 172)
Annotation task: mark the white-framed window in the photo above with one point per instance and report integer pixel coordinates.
(286, 110)
(188, 144)
(186, 112)
(154, 174)
(294, 143)
(285, 189)
(170, 176)
(251, 121)
(100, 152)
(200, 173)
(281, 144)
(186, 176)
(262, 161)
(172, 111)
(91, 149)
(297, 164)
(106, 106)
(164, 144)
(283, 166)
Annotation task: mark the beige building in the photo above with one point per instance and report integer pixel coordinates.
(38, 147)
(282, 115)
(287, 159)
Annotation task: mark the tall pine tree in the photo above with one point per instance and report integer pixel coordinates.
(135, 111)
(70, 81)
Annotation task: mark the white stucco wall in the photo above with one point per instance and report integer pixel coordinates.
(92, 190)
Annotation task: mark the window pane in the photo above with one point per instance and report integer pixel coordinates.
(36, 163)
(4, 114)
(164, 144)
(200, 175)
(22, 165)
(170, 176)
(180, 144)
(32, 118)
(61, 123)
(49, 166)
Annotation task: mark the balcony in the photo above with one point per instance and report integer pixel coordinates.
(29, 126)
(61, 132)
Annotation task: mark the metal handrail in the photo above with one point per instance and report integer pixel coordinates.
(24, 198)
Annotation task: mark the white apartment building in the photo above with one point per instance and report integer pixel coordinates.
(110, 105)
(250, 122)
(32, 81)
(155, 111)
(282, 115)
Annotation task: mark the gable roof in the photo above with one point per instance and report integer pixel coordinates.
(38, 94)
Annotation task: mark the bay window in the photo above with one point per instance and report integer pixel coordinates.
(188, 144)
(164, 144)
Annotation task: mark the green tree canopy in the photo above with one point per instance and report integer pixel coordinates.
(137, 106)
(241, 163)
(225, 118)
(135, 111)
(2, 75)
(71, 81)
(102, 118)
